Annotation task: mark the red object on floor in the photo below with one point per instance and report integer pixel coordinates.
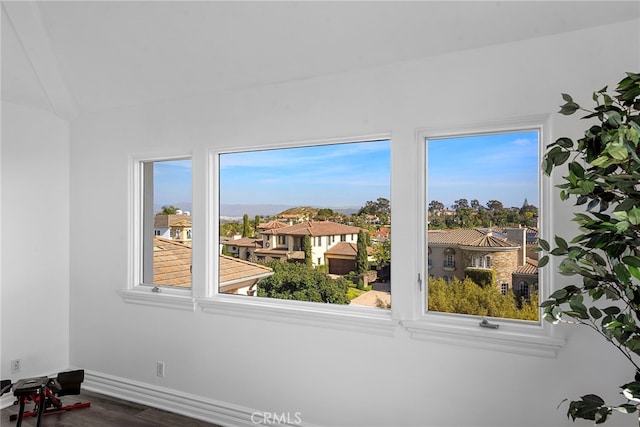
(44, 392)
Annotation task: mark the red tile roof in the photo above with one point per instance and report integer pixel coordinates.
(343, 248)
(172, 266)
(315, 228)
(165, 221)
(171, 263)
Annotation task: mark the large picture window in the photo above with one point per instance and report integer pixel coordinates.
(308, 223)
(482, 219)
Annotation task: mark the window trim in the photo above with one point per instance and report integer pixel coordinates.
(354, 318)
(136, 291)
(514, 336)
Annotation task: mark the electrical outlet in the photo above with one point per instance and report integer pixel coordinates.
(160, 369)
(15, 366)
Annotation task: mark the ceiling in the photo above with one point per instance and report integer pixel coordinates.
(77, 57)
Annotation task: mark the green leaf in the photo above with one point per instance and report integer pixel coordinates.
(544, 244)
(635, 271)
(612, 311)
(567, 97)
(634, 216)
(561, 243)
(569, 108)
(633, 345)
(595, 312)
(622, 273)
(559, 294)
(543, 261)
(631, 260)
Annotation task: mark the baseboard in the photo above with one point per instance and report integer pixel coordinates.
(213, 411)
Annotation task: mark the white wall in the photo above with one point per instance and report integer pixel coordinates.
(35, 241)
(333, 377)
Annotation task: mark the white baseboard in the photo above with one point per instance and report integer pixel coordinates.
(213, 411)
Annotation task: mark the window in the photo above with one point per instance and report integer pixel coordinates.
(352, 179)
(504, 288)
(166, 190)
(486, 188)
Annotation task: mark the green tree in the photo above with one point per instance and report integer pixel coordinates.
(168, 210)
(306, 244)
(256, 223)
(466, 297)
(245, 226)
(295, 281)
(362, 260)
(382, 253)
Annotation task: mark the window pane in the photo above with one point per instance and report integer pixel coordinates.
(167, 223)
(307, 223)
(482, 216)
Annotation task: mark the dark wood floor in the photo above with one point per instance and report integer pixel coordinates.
(104, 411)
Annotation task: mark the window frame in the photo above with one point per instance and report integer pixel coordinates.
(353, 318)
(137, 291)
(511, 335)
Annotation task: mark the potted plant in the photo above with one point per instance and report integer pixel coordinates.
(603, 260)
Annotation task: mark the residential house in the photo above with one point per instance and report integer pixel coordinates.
(451, 252)
(287, 243)
(175, 226)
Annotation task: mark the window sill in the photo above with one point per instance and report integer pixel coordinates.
(168, 298)
(531, 339)
(358, 319)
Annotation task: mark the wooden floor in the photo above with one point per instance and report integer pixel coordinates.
(104, 411)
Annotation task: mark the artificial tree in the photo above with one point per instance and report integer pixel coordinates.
(603, 177)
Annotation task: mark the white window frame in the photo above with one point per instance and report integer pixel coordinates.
(515, 336)
(138, 292)
(362, 319)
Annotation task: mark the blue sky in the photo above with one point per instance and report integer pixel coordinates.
(494, 166)
(172, 182)
(337, 175)
(500, 167)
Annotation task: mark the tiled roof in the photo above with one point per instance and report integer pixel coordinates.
(234, 269)
(172, 266)
(171, 263)
(491, 241)
(343, 248)
(455, 236)
(481, 238)
(315, 228)
(165, 221)
(530, 267)
(271, 225)
(250, 242)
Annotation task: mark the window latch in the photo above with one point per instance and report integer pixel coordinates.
(419, 281)
(486, 324)
(156, 289)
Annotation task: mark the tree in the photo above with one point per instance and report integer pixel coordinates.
(436, 206)
(256, 223)
(382, 253)
(602, 262)
(460, 204)
(380, 208)
(362, 260)
(306, 244)
(295, 281)
(168, 210)
(495, 205)
(245, 226)
(324, 214)
(466, 297)
(475, 204)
